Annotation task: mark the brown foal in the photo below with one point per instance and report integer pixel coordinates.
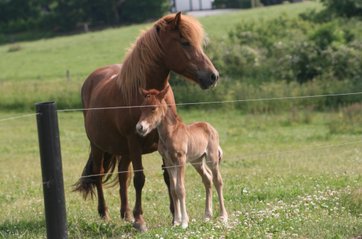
(180, 143)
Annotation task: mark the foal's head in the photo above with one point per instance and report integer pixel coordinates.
(153, 109)
(181, 39)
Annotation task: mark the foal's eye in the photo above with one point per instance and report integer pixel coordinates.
(185, 43)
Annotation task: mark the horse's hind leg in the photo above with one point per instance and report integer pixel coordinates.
(206, 176)
(92, 178)
(98, 171)
(124, 175)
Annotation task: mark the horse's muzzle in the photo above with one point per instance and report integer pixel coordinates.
(208, 79)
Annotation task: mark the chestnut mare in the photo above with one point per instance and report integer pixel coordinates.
(179, 144)
(174, 43)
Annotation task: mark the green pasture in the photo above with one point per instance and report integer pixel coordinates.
(284, 177)
(289, 173)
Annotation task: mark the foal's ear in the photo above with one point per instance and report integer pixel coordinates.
(143, 92)
(163, 92)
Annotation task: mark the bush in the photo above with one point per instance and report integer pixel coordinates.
(290, 50)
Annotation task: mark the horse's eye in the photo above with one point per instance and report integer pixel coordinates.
(185, 44)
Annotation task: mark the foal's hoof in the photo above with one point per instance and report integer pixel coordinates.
(224, 220)
(184, 225)
(140, 227)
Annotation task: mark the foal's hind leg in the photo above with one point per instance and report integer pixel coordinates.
(99, 171)
(124, 175)
(206, 176)
(213, 163)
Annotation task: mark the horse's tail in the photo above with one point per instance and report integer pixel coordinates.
(220, 153)
(87, 182)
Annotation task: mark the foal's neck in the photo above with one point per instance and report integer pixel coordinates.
(169, 123)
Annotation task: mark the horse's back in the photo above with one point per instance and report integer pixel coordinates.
(96, 78)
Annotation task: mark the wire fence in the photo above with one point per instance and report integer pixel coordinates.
(195, 103)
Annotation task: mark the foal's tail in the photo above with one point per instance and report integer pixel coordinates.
(220, 153)
(88, 181)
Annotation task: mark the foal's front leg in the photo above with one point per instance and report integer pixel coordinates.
(172, 172)
(180, 191)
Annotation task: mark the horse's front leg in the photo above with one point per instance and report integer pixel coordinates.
(135, 153)
(124, 175)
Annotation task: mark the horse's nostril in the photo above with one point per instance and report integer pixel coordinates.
(214, 77)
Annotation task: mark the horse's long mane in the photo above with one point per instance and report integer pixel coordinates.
(144, 54)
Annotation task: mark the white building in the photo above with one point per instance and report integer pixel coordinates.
(191, 5)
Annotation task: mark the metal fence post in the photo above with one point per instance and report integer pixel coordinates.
(51, 167)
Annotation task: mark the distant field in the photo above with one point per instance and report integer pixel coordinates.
(49, 59)
(54, 69)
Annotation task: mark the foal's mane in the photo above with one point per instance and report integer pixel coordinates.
(146, 52)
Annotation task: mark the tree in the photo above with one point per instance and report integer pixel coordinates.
(345, 8)
(143, 10)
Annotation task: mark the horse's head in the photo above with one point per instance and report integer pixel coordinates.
(181, 39)
(153, 109)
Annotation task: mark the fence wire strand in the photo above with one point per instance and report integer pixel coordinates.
(218, 102)
(192, 103)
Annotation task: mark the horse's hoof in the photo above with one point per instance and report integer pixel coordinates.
(140, 227)
(106, 217)
(127, 216)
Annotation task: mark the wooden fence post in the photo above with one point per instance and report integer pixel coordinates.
(51, 167)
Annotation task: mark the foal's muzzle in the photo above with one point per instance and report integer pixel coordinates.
(142, 128)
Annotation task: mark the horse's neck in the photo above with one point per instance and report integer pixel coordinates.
(143, 66)
(169, 123)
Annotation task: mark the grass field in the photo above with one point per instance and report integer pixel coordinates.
(295, 174)
(284, 178)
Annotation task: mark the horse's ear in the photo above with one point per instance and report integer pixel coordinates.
(163, 92)
(177, 20)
